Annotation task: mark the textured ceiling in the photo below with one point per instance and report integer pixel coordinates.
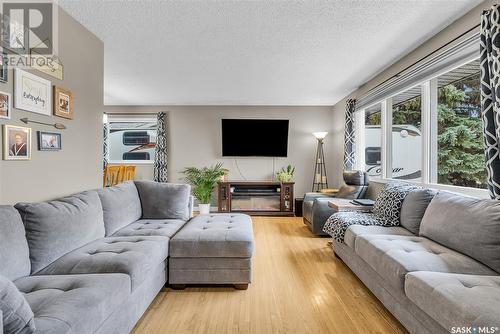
(253, 52)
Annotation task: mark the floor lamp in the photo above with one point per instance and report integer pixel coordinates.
(320, 180)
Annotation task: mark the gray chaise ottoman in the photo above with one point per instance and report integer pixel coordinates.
(212, 249)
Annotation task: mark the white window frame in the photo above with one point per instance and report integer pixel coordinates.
(429, 150)
(111, 119)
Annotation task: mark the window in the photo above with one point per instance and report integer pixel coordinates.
(436, 132)
(372, 137)
(406, 135)
(460, 160)
(131, 140)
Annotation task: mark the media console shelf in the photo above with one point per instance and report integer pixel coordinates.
(256, 198)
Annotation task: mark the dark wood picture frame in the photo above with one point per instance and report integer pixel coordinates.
(39, 139)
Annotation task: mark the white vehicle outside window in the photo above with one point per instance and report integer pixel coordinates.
(131, 140)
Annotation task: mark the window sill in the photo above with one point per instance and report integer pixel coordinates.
(475, 192)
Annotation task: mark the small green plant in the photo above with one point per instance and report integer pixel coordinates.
(203, 180)
(285, 175)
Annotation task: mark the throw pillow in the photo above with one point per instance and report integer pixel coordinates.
(390, 200)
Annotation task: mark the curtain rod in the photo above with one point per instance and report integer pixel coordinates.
(428, 55)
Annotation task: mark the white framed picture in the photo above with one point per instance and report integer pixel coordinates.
(32, 93)
(16, 142)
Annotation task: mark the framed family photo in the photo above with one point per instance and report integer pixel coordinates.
(16, 143)
(32, 93)
(49, 141)
(63, 103)
(5, 105)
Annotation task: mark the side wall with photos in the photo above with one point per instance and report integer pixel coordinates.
(77, 166)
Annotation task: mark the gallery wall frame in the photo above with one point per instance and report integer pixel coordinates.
(32, 93)
(49, 141)
(63, 103)
(5, 105)
(16, 142)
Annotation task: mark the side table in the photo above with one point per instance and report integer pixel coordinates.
(298, 206)
(342, 205)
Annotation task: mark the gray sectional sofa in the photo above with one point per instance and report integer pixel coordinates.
(94, 261)
(439, 271)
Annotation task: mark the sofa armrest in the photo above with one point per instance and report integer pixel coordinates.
(320, 214)
(313, 195)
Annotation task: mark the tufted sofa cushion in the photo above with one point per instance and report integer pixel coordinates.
(356, 230)
(217, 235)
(456, 300)
(14, 252)
(57, 227)
(134, 256)
(161, 227)
(16, 314)
(73, 303)
(392, 257)
(121, 206)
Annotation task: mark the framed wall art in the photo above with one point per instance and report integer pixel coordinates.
(32, 93)
(52, 66)
(49, 141)
(5, 105)
(63, 103)
(4, 70)
(16, 143)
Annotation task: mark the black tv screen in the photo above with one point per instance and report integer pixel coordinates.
(254, 137)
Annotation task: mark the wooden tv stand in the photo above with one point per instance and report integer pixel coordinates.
(264, 198)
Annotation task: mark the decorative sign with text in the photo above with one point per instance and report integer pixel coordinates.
(32, 93)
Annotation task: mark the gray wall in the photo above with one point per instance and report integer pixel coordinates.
(194, 135)
(78, 165)
(455, 29)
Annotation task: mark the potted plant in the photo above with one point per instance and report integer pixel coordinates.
(202, 181)
(285, 175)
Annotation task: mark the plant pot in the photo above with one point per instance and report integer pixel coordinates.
(204, 209)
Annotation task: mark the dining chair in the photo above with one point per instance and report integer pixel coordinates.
(129, 173)
(112, 175)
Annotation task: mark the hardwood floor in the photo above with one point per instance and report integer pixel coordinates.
(298, 287)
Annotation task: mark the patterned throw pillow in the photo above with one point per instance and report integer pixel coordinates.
(390, 200)
(339, 222)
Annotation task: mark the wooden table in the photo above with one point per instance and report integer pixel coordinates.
(342, 205)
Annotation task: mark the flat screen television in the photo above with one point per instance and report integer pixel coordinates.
(254, 137)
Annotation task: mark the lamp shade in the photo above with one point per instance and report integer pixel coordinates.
(320, 135)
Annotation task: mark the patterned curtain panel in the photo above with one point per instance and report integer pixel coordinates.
(349, 135)
(490, 95)
(105, 154)
(160, 164)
